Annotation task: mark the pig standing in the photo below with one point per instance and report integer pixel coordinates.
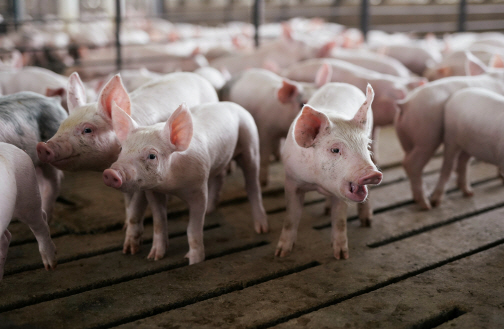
(469, 132)
(273, 102)
(419, 124)
(86, 140)
(21, 199)
(187, 157)
(327, 150)
(27, 118)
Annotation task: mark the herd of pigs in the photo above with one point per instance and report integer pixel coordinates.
(317, 88)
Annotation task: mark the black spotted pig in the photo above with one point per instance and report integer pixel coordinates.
(21, 199)
(26, 119)
(86, 139)
(327, 150)
(187, 156)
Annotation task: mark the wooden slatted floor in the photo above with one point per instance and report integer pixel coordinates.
(411, 269)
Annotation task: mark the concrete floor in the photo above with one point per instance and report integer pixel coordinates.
(411, 269)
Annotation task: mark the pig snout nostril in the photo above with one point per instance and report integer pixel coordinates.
(373, 179)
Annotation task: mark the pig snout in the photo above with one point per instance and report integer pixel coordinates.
(112, 178)
(45, 153)
(374, 178)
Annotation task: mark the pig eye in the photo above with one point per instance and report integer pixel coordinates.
(335, 150)
(88, 130)
(152, 156)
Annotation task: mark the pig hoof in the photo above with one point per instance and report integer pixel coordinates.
(156, 253)
(424, 205)
(261, 228)
(283, 249)
(327, 211)
(131, 246)
(435, 202)
(195, 256)
(468, 193)
(365, 222)
(341, 252)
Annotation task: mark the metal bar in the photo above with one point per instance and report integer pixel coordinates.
(462, 15)
(15, 8)
(364, 17)
(257, 15)
(118, 20)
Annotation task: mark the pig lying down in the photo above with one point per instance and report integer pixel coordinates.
(86, 139)
(473, 123)
(327, 150)
(27, 118)
(187, 156)
(21, 199)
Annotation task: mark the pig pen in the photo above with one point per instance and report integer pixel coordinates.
(411, 269)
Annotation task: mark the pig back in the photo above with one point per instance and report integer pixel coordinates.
(27, 118)
(155, 101)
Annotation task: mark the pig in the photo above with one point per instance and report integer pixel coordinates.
(187, 156)
(327, 150)
(388, 89)
(27, 118)
(475, 67)
(273, 102)
(217, 78)
(86, 139)
(419, 124)
(469, 133)
(21, 200)
(414, 55)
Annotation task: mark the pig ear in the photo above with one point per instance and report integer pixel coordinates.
(324, 75)
(51, 92)
(360, 117)
(417, 82)
(308, 126)
(444, 71)
(114, 91)
(287, 31)
(179, 128)
(326, 49)
(474, 66)
(271, 65)
(287, 92)
(76, 95)
(496, 62)
(122, 123)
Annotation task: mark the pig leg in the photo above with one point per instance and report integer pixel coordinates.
(413, 163)
(197, 207)
(49, 179)
(450, 154)
(295, 199)
(136, 203)
(365, 212)
(463, 181)
(157, 203)
(327, 206)
(267, 145)
(214, 189)
(339, 228)
(5, 239)
(249, 163)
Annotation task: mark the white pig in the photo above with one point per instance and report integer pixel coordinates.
(273, 102)
(21, 199)
(419, 124)
(187, 156)
(86, 139)
(327, 150)
(473, 121)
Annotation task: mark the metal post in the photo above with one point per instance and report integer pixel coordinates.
(159, 8)
(462, 15)
(118, 19)
(15, 7)
(364, 17)
(257, 15)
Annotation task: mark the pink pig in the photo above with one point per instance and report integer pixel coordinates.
(469, 133)
(187, 156)
(21, 199)
(86, 139)
(327, 150)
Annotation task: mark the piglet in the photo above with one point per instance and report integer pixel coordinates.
(273, 102)
(327, 150)
(26, 119)
(187, 156)
(21, 199)
(469, 133)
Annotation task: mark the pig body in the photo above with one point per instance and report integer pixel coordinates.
(470, 133)
(415, 57)
(327, 150)
(188, 157)
(21, 199)
(86, 140)
(419, 124)
(27, 118)
(273, 102)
